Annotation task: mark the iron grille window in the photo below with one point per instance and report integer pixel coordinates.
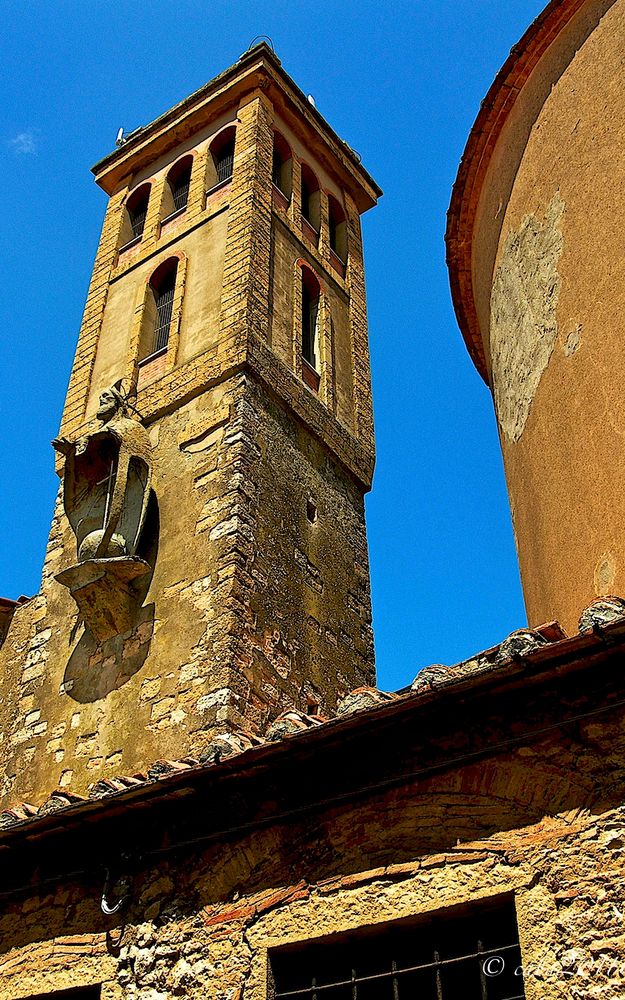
(180, 190)
(225, 162)
(137, 215)
(468, 954)
(164, 300)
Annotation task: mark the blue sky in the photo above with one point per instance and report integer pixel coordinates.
(402, 84)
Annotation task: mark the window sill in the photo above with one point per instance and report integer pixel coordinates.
(173, 215)
(281, 197)
(309, 231)
(219, 186)
(310, 376)
(130, 244)
(338, 263)
(153, 357)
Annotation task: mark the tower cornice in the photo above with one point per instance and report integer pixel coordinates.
(258, 69)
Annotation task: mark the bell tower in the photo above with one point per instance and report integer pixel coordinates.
(207, 566)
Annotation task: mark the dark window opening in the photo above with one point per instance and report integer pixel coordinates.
(159, 309)
(164, 300)
(221, 160)
(136, 210)
(179, 179)
(281, 172)
(310, 197)
(225, 162)
(468, 953)
(338, 229)
(310, 317)
(311, 511)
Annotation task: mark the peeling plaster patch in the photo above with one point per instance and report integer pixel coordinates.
(523, 315)
(605, 571)
(573, 341)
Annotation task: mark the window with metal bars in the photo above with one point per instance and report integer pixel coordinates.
(137, 212)
(225, 162)
(179, 179)
(159, 310)
(459, 954)
(164, 301)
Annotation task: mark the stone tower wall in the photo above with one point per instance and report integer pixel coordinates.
(259, 596)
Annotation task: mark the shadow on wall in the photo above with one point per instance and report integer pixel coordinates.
(94, 668)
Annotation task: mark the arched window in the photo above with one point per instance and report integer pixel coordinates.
(159, 309)
(135, 215)
(282, 168)
(311, 291)
(310, 197)
(338, 229)
(177, 187)
(221, 160)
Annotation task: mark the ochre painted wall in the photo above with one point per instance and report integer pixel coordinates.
(555, 336)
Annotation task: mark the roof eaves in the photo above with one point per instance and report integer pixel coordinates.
(170, 779)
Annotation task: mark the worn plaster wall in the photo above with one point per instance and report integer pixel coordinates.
(256, 604)
(555, 331)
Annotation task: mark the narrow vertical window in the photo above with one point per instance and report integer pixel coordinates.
(338, 229)
(138, 214)
(159, 309)
(178, 183)
(135, 215)
(221, 158)
(310, 319)
(282, 171)
(310, 198)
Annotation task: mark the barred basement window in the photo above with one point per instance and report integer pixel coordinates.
(463, 953)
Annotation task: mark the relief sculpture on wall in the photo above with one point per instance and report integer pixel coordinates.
(107, 480)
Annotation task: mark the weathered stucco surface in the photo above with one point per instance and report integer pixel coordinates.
(524, 326)
(556, 305)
